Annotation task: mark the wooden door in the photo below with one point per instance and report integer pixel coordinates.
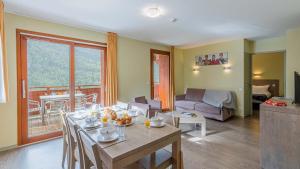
(160, 77)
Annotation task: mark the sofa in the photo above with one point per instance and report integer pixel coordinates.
(214, 104)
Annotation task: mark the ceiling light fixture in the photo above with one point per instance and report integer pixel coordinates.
(153, 12)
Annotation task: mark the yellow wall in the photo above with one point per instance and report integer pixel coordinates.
(214, 77)
(179, 74)
(134, 68)
(292, 59)
(271, 66)
(133, 65)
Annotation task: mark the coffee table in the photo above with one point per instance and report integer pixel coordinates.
(189, 117)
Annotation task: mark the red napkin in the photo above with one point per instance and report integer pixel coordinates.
(276, 103)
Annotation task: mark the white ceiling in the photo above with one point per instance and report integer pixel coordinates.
(199, 21)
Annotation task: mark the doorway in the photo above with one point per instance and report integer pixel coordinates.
(55, 73)
(160, 77)
(268, 78)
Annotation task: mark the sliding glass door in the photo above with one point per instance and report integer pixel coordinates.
(55, 74)
(89, 75)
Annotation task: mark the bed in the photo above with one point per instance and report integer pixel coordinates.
(263, 89)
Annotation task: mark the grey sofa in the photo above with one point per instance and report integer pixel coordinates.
(199, 100)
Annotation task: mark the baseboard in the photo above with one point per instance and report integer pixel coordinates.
(8, 148)
(16, 146)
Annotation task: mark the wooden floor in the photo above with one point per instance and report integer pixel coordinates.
(229, 145)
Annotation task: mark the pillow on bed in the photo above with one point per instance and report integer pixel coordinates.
(261, 90)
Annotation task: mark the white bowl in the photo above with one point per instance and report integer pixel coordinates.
(107, 132)
(157, 121)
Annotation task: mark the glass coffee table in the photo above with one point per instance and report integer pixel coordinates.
(189, 117)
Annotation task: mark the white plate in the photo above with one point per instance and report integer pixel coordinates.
(156, 126)
(116, 124)
(92, 125)
(111, 138)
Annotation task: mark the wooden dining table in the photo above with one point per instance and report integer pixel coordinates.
(139, 142)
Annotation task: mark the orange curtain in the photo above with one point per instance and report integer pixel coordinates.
(172, 76)
(3, 67)
(111, 78)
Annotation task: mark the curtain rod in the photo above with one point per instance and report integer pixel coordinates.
(64, 39)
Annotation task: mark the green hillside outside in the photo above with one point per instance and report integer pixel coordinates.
(48, 64)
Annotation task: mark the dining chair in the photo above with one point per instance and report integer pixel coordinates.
(34, 111)
(91, 155)
(53, 108)
(65, 137)
(75, 153)
(90, 99)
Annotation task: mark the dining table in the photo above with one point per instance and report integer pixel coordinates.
(139, 141)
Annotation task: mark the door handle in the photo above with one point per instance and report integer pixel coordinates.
(23, 89)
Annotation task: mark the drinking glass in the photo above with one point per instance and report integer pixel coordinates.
(121, 130)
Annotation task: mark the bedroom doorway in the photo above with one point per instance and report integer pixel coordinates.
(268, 78)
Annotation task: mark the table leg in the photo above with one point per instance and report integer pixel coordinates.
(203, 128)
(43, 111)
(153, 161)
(176, 149)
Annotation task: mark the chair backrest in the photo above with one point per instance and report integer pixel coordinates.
(91, 155)
(141, 99)
(91, 98)
(55, 105)
(80, 103)
(72, 128)
(33, 106)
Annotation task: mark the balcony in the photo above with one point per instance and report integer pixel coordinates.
(45, 101)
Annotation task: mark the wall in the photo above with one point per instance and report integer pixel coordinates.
(271, 65)
(292, 59)
(134, 68)
(178, 71)
(270, 44)
(214, 77)
(133, 65)
(289, 43)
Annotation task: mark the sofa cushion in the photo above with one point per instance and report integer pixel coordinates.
(141, 99)
(206, 108)
(194, 94)
(185, 104)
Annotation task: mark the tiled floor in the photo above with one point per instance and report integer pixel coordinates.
(229, 145)
(36, 127)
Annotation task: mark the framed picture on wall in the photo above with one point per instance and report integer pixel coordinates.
(212, 59)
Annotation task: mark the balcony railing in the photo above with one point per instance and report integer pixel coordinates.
(39, 122)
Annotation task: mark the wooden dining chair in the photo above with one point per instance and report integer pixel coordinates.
(74, 154)
(65, 137)
(91, 154)
(63, 110)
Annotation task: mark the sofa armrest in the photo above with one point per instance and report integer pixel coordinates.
(155, 104)
(180, 97)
